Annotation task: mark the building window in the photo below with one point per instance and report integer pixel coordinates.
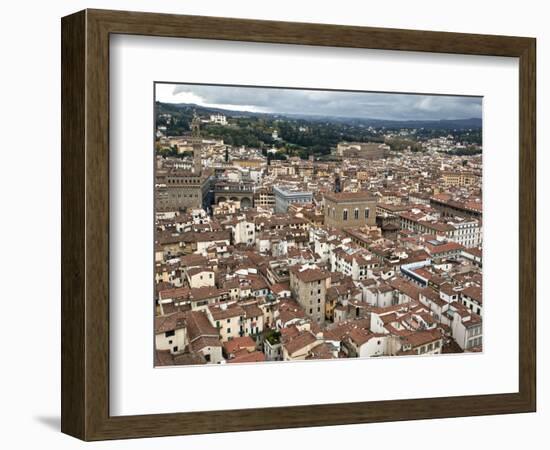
(356, 213)
(366, 213)
(345, 215)
(229, 330)
(175, 349)
(169, 333)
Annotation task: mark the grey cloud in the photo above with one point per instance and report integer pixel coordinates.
(344, 104)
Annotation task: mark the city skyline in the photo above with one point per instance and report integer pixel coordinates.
(279, 239)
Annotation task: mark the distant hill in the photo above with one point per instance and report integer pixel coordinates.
(446, 123)
(459, 124)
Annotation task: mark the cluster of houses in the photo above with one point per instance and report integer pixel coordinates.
(254, 285)
(298, 260)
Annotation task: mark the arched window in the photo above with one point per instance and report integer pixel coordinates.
(356, 213)
(366, 213)
(345, 214)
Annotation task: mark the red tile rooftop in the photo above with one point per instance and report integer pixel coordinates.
(247, 358)
(309, 275)
(170, 322)
(301, 340)
(443, 247)
(239, 343)
(419, 338)
(474, 292)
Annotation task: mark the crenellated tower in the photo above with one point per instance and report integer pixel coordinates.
(196, 141)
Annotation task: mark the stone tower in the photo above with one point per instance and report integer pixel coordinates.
(337, 181)
(196, 141)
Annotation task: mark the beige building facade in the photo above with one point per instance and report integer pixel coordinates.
(309, 287)
(451, 179)
(350, 209)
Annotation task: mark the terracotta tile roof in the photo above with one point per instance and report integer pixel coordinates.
(322, 351)
(170, 322)
(340, 331)
(360, 336)
(277, 288)
(220, 312)
(473, 321)
(252, 310)
(163, 358)
(205, 341)
(248, 357)
(206, 292)
(193, 260)
(474, 292)
(309, 275)
(197, 270)
(288, 333)
(303, 339)
(405, 287)
(198, 325)
(422, 337)
(244, 342)
(443, 248)
(433, 297)
(176, 293)
(187, 359)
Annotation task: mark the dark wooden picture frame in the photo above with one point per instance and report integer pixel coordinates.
(85, 224)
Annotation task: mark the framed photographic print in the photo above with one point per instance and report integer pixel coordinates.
(274, 225)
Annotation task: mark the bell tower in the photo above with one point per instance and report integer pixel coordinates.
(337, 181)
(196, 141)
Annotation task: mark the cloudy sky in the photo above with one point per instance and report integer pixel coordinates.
(333, 103)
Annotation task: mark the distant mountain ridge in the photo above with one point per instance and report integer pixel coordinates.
(473, 122)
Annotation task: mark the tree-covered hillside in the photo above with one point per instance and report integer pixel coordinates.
(310, 135)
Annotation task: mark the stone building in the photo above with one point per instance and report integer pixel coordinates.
(309, 285)
(364, 150)
(264, 197)
(179, 188)
(451, 179)
(350, 209)
(286, 196)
